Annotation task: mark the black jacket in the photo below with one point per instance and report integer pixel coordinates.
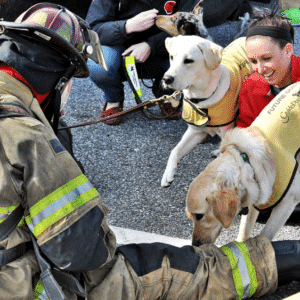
(108, 18)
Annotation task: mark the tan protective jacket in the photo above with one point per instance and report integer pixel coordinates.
(32, 170)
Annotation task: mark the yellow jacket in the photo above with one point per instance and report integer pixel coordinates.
(280, 123)
(234, 58)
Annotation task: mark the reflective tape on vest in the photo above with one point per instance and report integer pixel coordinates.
(39, 292)
(6, 211)
(243, 270)
(59, 204)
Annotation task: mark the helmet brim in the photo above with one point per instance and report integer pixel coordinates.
(51, 39)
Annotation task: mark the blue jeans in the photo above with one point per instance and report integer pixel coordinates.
(111, 82)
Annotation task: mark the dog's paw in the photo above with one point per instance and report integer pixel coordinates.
(165, 183)
(167, 179)
(215, 153)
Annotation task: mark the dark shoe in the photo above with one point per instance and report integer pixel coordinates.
(168, 111)
(110, 112)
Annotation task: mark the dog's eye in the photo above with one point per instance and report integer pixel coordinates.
(171, 57)
(245, 158)
(199, 216)
(188, 61)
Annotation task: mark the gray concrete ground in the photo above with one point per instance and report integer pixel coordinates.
(126, 163)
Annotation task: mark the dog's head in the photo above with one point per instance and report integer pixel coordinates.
(191, 60)
(237, 178)
(184, 23)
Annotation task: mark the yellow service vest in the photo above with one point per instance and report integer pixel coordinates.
(279, 121)
(234, 58)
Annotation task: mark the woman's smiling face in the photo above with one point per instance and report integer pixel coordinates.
(269, 60)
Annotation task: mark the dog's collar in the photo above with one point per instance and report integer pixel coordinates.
(246, 159)
(198, 100)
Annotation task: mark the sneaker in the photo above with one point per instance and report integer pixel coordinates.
(110, 112)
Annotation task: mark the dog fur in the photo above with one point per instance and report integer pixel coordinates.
(184, 23)
(196, 70)
(229, 183)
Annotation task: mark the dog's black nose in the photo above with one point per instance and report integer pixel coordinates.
(196, 243)
(167, 79)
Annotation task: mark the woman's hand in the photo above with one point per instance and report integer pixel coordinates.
(141, 22)
(140, 52)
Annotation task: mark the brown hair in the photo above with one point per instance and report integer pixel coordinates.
(275, 21)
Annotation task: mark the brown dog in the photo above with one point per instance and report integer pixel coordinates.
(184, 23)
(257, 168)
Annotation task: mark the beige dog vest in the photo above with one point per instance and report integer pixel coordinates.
(280, 123)
(234, 58)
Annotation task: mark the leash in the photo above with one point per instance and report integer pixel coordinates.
(148, 115)
(140, 107)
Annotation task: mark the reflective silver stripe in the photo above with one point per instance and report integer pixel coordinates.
(242, 268)
(58, 204)
(31, 227)
(3, 216)
(43, 295)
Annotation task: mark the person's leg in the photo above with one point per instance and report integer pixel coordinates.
(110, 81)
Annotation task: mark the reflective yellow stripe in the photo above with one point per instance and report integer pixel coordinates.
(250, 267)
(57, 194)
(59, 204)
(39, 292)
(6, 211)
(243, 271)
(237, 278)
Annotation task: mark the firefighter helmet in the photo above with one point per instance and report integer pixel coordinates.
(60, 29)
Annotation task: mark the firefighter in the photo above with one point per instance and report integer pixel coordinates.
(54, 239)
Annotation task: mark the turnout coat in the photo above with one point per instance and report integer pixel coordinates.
(65, 215)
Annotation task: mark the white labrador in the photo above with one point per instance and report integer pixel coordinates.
(196, 69)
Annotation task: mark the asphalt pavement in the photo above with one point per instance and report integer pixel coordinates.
(126, 162)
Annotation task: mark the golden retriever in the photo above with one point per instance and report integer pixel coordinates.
(256, 166)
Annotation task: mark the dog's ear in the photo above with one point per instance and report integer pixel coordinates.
(168, 42)
(224, 205)
(212, 53)
(188, 214)
(187, 29)
(198, 9)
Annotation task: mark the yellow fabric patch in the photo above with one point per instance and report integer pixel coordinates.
(280, 123)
